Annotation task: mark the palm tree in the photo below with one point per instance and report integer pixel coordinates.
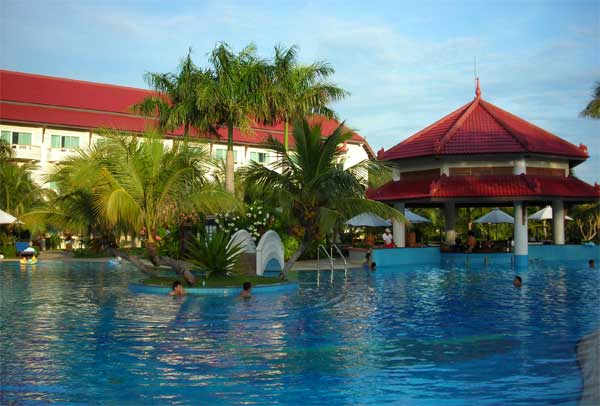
(298, 91)
(314, 186)
(139, 183)
(592, 110)
(234, 95)
(175, 102)
(18, 192)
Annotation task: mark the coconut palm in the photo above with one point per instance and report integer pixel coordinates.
(234, 95)
(298, 91)
(313, 184)
(592, 110)
(18, 193)
(175, 102)
(143, 184)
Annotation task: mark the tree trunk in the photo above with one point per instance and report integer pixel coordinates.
(286, 134)
(229, 163)
(180, 267)
(294, 257)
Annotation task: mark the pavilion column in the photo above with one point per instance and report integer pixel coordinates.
(520, 235)
(450, 220)
(558, 222)
(399, 228)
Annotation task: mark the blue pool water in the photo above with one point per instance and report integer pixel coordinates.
(415, 336)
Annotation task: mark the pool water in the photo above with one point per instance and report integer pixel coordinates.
(74, 332)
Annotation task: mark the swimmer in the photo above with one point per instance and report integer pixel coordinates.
(517, 281)
(177, 289)
(246, 288)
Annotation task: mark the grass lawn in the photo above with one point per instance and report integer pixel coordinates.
(215, 281)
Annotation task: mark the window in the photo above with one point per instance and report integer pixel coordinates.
(221, 154)
(260, 157)
(16, 138)
(553, 172)
(64, 141)
(481, 171)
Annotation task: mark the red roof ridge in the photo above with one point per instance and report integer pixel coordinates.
(418, 133)
(458, 123)
(527, 123)
(513, 134)
(87, 82)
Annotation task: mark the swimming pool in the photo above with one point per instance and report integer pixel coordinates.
(419, 335)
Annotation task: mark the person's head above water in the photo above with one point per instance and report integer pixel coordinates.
(177, 289)
(246, 286)
(517, 281)
(591, 263)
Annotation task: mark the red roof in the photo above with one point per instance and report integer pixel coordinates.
(479, 127)
(44, 100)
(486, 187)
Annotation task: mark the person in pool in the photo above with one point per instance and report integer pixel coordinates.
(517, 281)
(246, 288)
(591, 264)
(177, 289)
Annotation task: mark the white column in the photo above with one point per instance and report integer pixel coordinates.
(450, 221)
(558, 222)
(520, 166)
(520, 234)
(399, 228)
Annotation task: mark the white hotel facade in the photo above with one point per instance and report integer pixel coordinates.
(45, 119)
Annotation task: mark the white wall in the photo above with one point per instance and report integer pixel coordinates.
(46, 157)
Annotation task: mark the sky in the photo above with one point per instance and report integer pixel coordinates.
(405, 64)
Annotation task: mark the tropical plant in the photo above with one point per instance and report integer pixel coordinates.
(18, 192)
(314, 186)
(175, 101)
(298, 91)
(254, 218)
(587, 218)
(139, 183)
(214, 254)
(233, 95)
(592, 110)
(5, 151)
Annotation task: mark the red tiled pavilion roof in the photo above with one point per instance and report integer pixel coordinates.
(479, 127)
(44, 100)
(525, 186)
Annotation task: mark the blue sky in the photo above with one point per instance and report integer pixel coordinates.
(406, 64)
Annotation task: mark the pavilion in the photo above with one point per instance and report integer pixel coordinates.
(483, 156)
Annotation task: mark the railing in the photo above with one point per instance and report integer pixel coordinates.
(330, 256)
(27, 151)
(343, 259)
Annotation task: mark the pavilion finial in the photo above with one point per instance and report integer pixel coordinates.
(477, 89)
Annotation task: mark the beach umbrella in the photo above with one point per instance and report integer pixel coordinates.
(415, 218)
(368, 220)
(496, 216)
(6, 218)
(545, 214)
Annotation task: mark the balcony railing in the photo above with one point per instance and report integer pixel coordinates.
(29, 152)
(59, 154)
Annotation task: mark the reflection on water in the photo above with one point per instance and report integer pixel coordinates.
(420, 335)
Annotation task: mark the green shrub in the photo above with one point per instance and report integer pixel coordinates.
(215, 255)
(88, 253)
(9, 251)
(290, 245)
